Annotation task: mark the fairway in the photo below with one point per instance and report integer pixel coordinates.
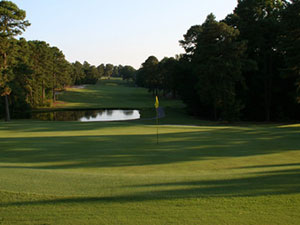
(116, 173)
(112, 93)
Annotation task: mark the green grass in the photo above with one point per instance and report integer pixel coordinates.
(112, 93)
(115, 173)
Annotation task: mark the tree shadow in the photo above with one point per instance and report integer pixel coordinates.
(61, 126)
(270, 166)
(280, 182)
(139, 150)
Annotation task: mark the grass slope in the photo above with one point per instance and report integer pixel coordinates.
(115, 173)
(112, 93)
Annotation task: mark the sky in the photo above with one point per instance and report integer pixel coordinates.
(120, 32)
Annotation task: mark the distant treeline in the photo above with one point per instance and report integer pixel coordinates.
(37, 71)
(89, 74)
(31, 72)
(245, 67)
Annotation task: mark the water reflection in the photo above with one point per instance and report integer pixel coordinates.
(88, 115)
(112, 115)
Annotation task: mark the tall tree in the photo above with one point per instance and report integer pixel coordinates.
(12, 23)
(21, 85)
(148, 75)
(291, 40)
(41, 64)
(127, 73)
(217, 65)
(109, 69)
(116, 72)
(189, 43)
(77, 73)
(101, 70)
(91, 73)
(61, 70)
(259, 23)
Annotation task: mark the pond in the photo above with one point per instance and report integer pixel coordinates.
(88, 115)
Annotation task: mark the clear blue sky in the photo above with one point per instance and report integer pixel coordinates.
(117, 31)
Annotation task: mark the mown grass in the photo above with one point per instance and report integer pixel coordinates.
(112, 93)
(115, 173)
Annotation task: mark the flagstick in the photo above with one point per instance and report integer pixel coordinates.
(156, 107)
(157, 125)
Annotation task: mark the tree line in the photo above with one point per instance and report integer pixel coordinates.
(89, 74)
(244, 67)
(31, 72)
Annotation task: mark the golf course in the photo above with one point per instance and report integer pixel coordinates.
(199, 172)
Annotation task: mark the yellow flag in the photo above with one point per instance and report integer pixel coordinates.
(156, 103)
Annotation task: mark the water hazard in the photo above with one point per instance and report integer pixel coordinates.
(88, 115)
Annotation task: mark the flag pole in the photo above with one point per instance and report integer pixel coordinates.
(157, 125)
(156, 107)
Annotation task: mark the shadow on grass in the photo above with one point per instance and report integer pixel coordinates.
(270, 166)
(108, 93)
(139, 150)
(60, 126)
(267, 184)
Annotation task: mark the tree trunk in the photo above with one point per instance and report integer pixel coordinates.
(31, 97)
(43, 92)
(7, 115)
(4, 60)
(268, 85)
(53, 89)
(215, 111)
(268, 100)
(54, 98)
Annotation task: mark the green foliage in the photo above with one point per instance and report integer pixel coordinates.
(77, 73)
(7, 60)
(127, 73)
(31, 72)
(116, 71)
(86, 73)
(216, 58)
(36, 72)
(12, 23)
(148, 75)
(12, 20)
(244, 67)
(91, 74)
(168, 73)
(290, 42)
(259, 23)
(101, 70)
(109, 69)
(190, 39)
